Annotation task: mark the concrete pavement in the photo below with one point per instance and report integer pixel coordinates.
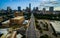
(31, 30)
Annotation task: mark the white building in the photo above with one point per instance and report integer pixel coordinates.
(6, 23)
(56, 26)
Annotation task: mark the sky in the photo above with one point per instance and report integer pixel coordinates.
(34, 3)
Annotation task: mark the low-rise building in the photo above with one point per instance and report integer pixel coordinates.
(17, 13)
(17, 20)
(14, 21)
(1, 18)
(56, 26)
(6, 23)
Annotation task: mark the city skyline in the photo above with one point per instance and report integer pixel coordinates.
(25, 3)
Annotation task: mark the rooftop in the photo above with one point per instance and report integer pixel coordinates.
(5, 22)
(56, 25)
(18, 18)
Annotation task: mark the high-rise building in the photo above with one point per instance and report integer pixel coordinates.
(51, 9)
(9, 13)
(36, 8)
(19, 8)
(44, 11)
(9, 9)
(27, 9)
(30, 6)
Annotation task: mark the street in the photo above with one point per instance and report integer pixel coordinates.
(31, 30)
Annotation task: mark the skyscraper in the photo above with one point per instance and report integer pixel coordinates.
(44, 11)
(27, 9)
(9, 10)
(51, 9)
(9, 13)
(19, 8)
(30, 6)
(36, 8)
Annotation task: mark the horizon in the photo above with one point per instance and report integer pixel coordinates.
(14, 4)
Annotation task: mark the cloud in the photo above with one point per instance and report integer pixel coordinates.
(52, 0)
(45, 0)
(57, 8)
